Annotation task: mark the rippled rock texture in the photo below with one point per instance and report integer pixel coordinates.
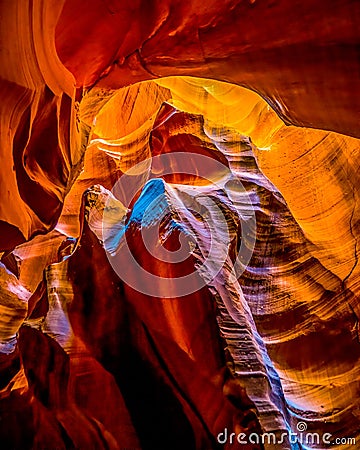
(179, 225)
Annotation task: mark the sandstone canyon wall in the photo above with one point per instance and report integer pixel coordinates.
(179, 224)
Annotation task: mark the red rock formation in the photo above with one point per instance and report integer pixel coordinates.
(216, 287)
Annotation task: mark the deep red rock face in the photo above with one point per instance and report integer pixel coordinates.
(178, 254)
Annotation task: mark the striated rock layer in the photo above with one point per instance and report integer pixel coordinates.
(179, 256)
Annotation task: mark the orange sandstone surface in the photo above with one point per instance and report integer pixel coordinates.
(179, 224)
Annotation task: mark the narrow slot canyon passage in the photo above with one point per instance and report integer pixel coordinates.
(179, 225)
